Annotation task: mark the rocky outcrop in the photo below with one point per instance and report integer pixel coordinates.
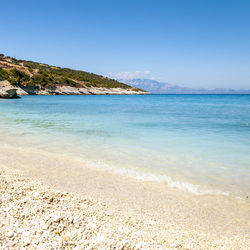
(68, 90)
(7, 91)
(64, 90)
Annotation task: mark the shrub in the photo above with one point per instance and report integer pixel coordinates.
(19, 76)
(4, 75)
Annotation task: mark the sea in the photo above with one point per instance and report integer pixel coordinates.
(197, 143)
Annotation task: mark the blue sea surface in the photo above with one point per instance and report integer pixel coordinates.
(200, 143)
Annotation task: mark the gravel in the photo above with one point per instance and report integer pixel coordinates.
(34, 216)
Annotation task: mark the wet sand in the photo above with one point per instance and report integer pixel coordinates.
(184, 220)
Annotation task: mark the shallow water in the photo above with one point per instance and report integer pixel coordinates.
(200, 143)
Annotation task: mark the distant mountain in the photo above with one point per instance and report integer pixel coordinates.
(156, 87)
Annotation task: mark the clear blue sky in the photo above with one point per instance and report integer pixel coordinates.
(196, 43)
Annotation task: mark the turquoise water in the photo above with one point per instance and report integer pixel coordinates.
(200, 143)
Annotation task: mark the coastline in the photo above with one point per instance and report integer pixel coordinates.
(68, 90)
(64, 90)
(155, 215)
(5, 87)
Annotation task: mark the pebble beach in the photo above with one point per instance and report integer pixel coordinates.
(35, 216)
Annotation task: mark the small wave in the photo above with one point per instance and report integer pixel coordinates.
(135, 174)
(142, 176)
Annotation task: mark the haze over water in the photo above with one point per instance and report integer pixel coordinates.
(199, 143)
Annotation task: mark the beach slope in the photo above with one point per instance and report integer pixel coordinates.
(35, 215)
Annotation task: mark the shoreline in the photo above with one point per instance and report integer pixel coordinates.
(15, 143)
(5, 87)
(183, 220)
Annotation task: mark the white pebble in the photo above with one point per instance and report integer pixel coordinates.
(56, 218)
(9, 234)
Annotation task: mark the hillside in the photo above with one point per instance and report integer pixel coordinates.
(37, 78)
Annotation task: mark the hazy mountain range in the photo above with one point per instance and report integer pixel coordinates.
(156, 87)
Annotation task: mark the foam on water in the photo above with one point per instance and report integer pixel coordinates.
(143, 176)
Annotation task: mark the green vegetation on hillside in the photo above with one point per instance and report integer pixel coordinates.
(4, 75)
(33, 74)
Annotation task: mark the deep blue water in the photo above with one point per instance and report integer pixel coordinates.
(196, 142)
